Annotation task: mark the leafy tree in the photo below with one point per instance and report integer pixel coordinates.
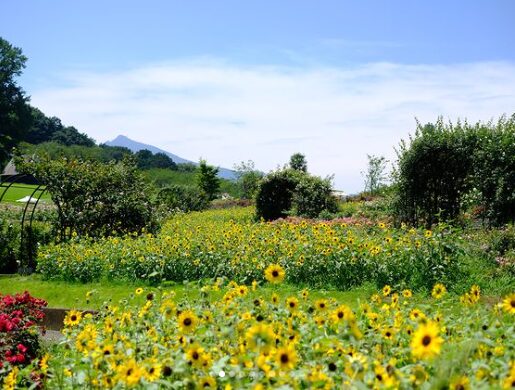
(51, 129)
(207, 180)
(375, 176)
(298, 162)
(15, 118)
(43, 127)
(71, 136)
(161, 160)
(248, 179)
(93, 198)
(147, 160)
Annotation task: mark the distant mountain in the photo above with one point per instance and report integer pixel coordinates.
(135, 146)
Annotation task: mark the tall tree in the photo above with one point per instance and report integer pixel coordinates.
(248, 179)
(298, 162)
(207, 180)
(375, 176)
(15, 114)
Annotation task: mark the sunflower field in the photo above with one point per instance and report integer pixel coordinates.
(228, 243)
(250, 341)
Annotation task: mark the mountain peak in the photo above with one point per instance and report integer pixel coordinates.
(135, 146)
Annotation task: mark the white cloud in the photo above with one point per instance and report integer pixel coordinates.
(227, 113)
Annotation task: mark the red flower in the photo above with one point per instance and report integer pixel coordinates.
(22, 348)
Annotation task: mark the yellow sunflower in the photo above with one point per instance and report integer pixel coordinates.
(321, 305)
(194, 355)
(187, 321)
(72, 318)
(207, 383)
(274, 273)
(129, 372)
(426, 342)
(460, 383)
(292, 303)
(508, 304)
(153, 373)
(260, 336)
(139, 291)
(387, 290)
(438, 291)
(475, 291)
(286, 358)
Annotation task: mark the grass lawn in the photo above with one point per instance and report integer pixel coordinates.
(18, 191)
(73, 295)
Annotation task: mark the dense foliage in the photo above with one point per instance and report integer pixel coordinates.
(447, 167)
(92, 198)
(293, 192)
(182, 198)
(50, 129)
(14, 111)
(275, 194)
(312, 196)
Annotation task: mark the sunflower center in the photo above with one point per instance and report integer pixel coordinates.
(292, 304)
(275, 273)
(512, 303)
(73, 318)
(426, 340)
(285, 358)
(195, 355)
(459, 387)
(340, 314)
(187, 321)
(379, 377)
(129, 371)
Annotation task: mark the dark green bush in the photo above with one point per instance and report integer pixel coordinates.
(275, 194)
(9, 246)
(294, 192)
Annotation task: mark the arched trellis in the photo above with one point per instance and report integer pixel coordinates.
(26, 235)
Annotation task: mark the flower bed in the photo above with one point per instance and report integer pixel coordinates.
(249, 341)
(20, 316)
(228, 243)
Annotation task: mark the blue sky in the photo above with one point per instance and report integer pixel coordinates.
(238, 80)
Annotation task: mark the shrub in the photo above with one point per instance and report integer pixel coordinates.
(445, 167)
(9, 246)
(494, 170)
(182, 198)
(312, 196)
(432, 174)
(275, 194)
(93, 198)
